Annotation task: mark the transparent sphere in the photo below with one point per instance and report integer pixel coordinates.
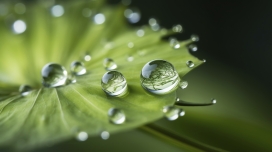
(159, 77)
(114, 83)
(116, 116)
(54, 75)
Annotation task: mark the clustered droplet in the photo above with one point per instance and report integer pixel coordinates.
(172, 113)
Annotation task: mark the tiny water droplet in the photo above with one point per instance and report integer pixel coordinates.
(177, 28)
(57, 11)
(54, 75)
(20, 8)
(114, 83)
(82, 136)
(171, 112)
(105, 135)
(130, 58)
(99, 18)
(130, 44)
(194, 38)
(177, 99)
(174, 43)
(182, 113)
(190, 64)
(154, 24)
(140, 33)
(116, 116)
(86, 12)
(87, 58)
(213, 100)
(109, 64)
(71, 79)
(193, 47)
(78, 68)
(204, 60)
(19, 27)
(133, 15)
(183, 84)
(159, 77)
(25, 90)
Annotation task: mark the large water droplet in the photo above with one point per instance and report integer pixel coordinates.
(177, 28)
(116, 116)
(57, 11)
(174, 43)
(192, 47)
(133, 15)
(105, 135)
(82, 136)
(78, 68)
(194, 38)
(20, 8)
(25, 90)
(54, 75)
(171, 112)
(114, 83)
(109, 64)
(99, 18)
(159, 77)
(19, 27)
(183, 84)
(190, 64)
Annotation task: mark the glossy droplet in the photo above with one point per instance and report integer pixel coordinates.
(177, 28)
(171, 112)
(114, 83)
(19, 27)
(105, 135)
(54, 75)
(130, 44)
(130, 58)
(82, 136)
(25, 90)
(159, 77)
(57, 11)
(174, 43)
(183, 84)
(190, 64)
(194, 38)
(181, 113)
(78, 68)
(86, 12)
(99, 18)
(193, 47)
(87, 58)
(140, 33)
(109, 64)
(20, 8)
(213, 101)
(133, 15)
(116, 116)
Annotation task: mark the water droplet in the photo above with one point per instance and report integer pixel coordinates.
(190, 64)
(177, 28)
(57, 11)
(105, 135)
(213, 101)
(114, 83)
(194, 38)
(99, 18)
(82, 136)
(20, 8)
(87, 58)
(54, 75)
(25, 90)
(159, 77)
(182, 113)
(174, 43)
(193, 47)
(71, 79)
(133, 15)
(130, 58)
(78, 68)
(183, 84)
(130, 44)
(109, 64)
(116, 116)
(3, 9)
(140, 33)
(204, 60)
(154, 24)
(19, 27)
(171, 112)
(86, 12)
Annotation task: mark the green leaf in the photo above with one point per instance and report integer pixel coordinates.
(51, 115)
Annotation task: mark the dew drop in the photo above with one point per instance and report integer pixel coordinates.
(71, 79)
(183, 84)
(190, 64)
(213, 101)
(130, 44)
(99, 18)
(133, 15)
(82, 136)
(159, 77)
(194, 38)
(86, 12)
(20, 8)
(171, 112)
(181, 113)
(140, 33)
(78, 68)
(177, 28)
(174, 43)
(25, 90)
(87, 58)
(193, 47)
(204, 60)
(154, 24)
(105, 135)
(57, 11)
(116, 116)
(114, 83)
(130, 58)
(19, 27)
(54, 75)
(109, 64)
